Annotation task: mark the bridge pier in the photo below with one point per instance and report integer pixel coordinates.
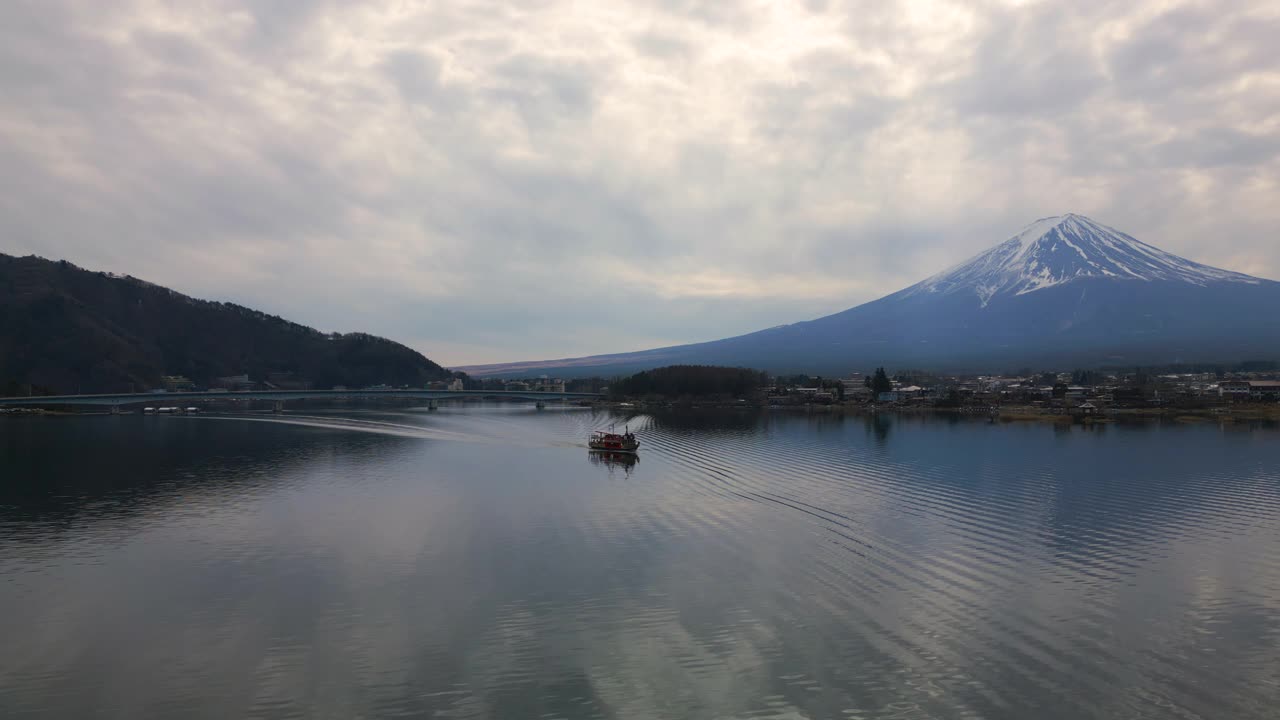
(278, 407)
(540, 405)
(432, 404)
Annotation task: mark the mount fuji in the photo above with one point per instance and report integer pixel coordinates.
(1066, 291)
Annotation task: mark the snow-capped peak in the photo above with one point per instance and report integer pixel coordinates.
(1065, 248)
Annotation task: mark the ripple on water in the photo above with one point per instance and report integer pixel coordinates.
(471, 562)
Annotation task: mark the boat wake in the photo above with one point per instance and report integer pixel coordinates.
(382, 427)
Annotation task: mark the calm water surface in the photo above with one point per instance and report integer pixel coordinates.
(476, 562)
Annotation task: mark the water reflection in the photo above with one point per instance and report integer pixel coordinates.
(169, 460)
(709, 419)
(770, 565)
(614, 460)
(878, 425)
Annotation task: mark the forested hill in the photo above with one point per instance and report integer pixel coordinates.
(64, 329)
(691, 381)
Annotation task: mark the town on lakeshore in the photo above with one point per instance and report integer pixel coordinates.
(1247, 391)
(1251, 390)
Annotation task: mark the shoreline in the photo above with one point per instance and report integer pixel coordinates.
(1002, 414)
(1253, 412)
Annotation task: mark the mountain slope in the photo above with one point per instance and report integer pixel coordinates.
(71, 330)
(1064, 291)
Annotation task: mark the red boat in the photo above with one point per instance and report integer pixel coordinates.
(613, 442)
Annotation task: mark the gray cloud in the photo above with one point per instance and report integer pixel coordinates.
(417, 75)
(1193, 51)
(499, 180)
(662, 46)
(1031, 63)
(1212, 147)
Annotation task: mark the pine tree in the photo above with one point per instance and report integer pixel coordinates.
(880, 382)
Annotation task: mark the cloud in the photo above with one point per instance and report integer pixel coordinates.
(493, 180)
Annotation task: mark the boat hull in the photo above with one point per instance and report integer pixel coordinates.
(610, 448)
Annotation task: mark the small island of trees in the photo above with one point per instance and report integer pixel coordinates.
(691, 381)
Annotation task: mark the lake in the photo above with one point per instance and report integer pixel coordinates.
(477, 562)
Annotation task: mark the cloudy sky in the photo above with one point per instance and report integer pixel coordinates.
(496, 180)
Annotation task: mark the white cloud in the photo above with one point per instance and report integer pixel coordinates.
(501, 180)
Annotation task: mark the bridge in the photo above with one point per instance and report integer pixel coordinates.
(169, 399)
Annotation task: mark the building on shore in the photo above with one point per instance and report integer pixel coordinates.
(546, 384)
(235, 382)
(858, 392)
(909, 392)
(177, 383)
(852, 383)
(286, 381)
(1264, 389)
(1247, 390)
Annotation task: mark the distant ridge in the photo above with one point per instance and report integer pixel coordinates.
(65, 329)
(1064, 291)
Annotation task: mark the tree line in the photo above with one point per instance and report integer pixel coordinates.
(692, 381)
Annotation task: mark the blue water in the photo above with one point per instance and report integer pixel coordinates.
(478, 562)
